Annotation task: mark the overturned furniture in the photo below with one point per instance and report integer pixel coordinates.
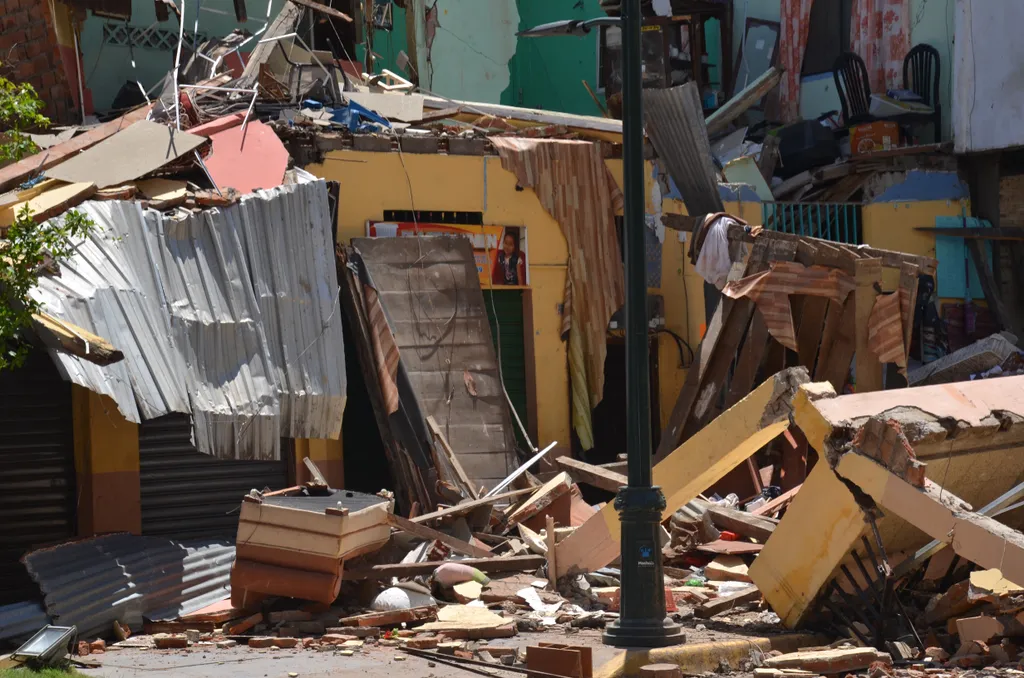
(294, 543)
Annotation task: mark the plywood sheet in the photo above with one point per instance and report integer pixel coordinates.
(131, 153)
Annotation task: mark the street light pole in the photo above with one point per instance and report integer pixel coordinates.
(642, 621)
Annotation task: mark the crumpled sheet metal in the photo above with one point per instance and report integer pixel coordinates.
(771, 289)
(230, 315)
(93, 582)
(20, 620)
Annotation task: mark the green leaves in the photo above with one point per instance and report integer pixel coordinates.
(20, 110)
(22, 255)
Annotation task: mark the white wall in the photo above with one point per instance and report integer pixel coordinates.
(989, 75)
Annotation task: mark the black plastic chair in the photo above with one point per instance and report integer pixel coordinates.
(921, 68)
(853, 88)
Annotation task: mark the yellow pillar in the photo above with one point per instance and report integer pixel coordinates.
(106, 466)
(328, 456)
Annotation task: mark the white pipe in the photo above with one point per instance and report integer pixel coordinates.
(177, 65)
(520, 471)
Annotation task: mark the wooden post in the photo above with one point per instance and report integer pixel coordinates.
(868, 368)
(549, 539)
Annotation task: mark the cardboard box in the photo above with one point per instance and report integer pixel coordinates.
(874, 136)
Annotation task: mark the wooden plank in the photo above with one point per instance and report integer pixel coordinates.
(391, 617)
(69, 338)
(809, 335)
(549, 542)
(468, 507)
(989, 285)
(775, 505)
(741, 522)
(729, 548)
(727, 603)
(744, 99)
(868, 368)
(424, 532)
(833, 320)
(751, 357)
(842, 350)
(909, 281)
(466, 485)
(490, 565)
(541, 499)
(597, 476)
(693, 467)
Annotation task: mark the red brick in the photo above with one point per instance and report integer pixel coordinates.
(83, 648)
(170, 641)
(245, 624)
(336, 638)
(262, 641)
(285, 642)
(421, 643)
(98, 645)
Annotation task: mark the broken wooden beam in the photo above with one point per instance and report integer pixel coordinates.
(727, 603)
(742, 523)
(323, 9)
(597, 476)
(429, 534)
(63, 336)
(694, 466)
(486, 565)
(744, 99)
(468, 507)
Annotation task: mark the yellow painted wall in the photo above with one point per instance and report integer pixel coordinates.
(106, 466)
(374, 182)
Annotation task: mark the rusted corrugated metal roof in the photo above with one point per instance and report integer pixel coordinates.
(675, 125)
(230, 315)
(430, 291)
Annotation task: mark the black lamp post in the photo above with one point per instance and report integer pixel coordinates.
(642, 621)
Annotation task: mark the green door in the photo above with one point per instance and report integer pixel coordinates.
(505, 314)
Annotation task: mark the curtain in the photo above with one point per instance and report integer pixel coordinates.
(796, 16)
(880, 34)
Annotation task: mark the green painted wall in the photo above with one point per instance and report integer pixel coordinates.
(549, 72)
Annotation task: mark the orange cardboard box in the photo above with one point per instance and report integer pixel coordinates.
(874, 136)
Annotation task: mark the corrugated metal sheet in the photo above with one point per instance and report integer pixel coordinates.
(674, 120)
(91, 583)
(429, 290)
(37, 469)
(230, 315)
(20, 620)
(188, 494)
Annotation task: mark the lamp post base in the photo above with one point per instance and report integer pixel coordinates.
(642, 621)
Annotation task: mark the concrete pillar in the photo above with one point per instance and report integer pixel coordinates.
(328, 456)
(106, 466)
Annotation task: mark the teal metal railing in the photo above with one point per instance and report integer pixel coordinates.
(836, 221)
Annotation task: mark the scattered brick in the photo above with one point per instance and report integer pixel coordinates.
(226, 644)
(285, 643)
(357, 631)
(83, 648)
(262, 641)
(245, 625)
(98, 646)
(170, 641)
(422, 643)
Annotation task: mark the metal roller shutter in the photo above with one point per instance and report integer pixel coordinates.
(37, 468)
(506, 307)
(186, 493)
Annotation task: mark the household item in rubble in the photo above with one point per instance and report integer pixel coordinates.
(294, 543)
(805, 145)
(853, 88)
(921, 71)
(874, 136)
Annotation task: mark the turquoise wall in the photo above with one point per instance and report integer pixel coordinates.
(108, 66)
(931, 22)
(549, 72)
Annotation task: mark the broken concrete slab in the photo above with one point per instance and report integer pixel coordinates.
(693, 467)
(841, 661)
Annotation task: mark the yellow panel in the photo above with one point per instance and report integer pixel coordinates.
(891, 225)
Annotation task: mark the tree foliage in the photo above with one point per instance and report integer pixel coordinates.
(26, 245)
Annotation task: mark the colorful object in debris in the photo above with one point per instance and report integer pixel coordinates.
(450, 574)
(358, 118)
(246, 157)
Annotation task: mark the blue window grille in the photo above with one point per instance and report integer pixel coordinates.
(835, 221)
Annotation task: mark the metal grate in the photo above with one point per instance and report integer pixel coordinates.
(836, 221)
(125, 35)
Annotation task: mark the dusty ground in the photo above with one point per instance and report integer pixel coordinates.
(372, 661)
